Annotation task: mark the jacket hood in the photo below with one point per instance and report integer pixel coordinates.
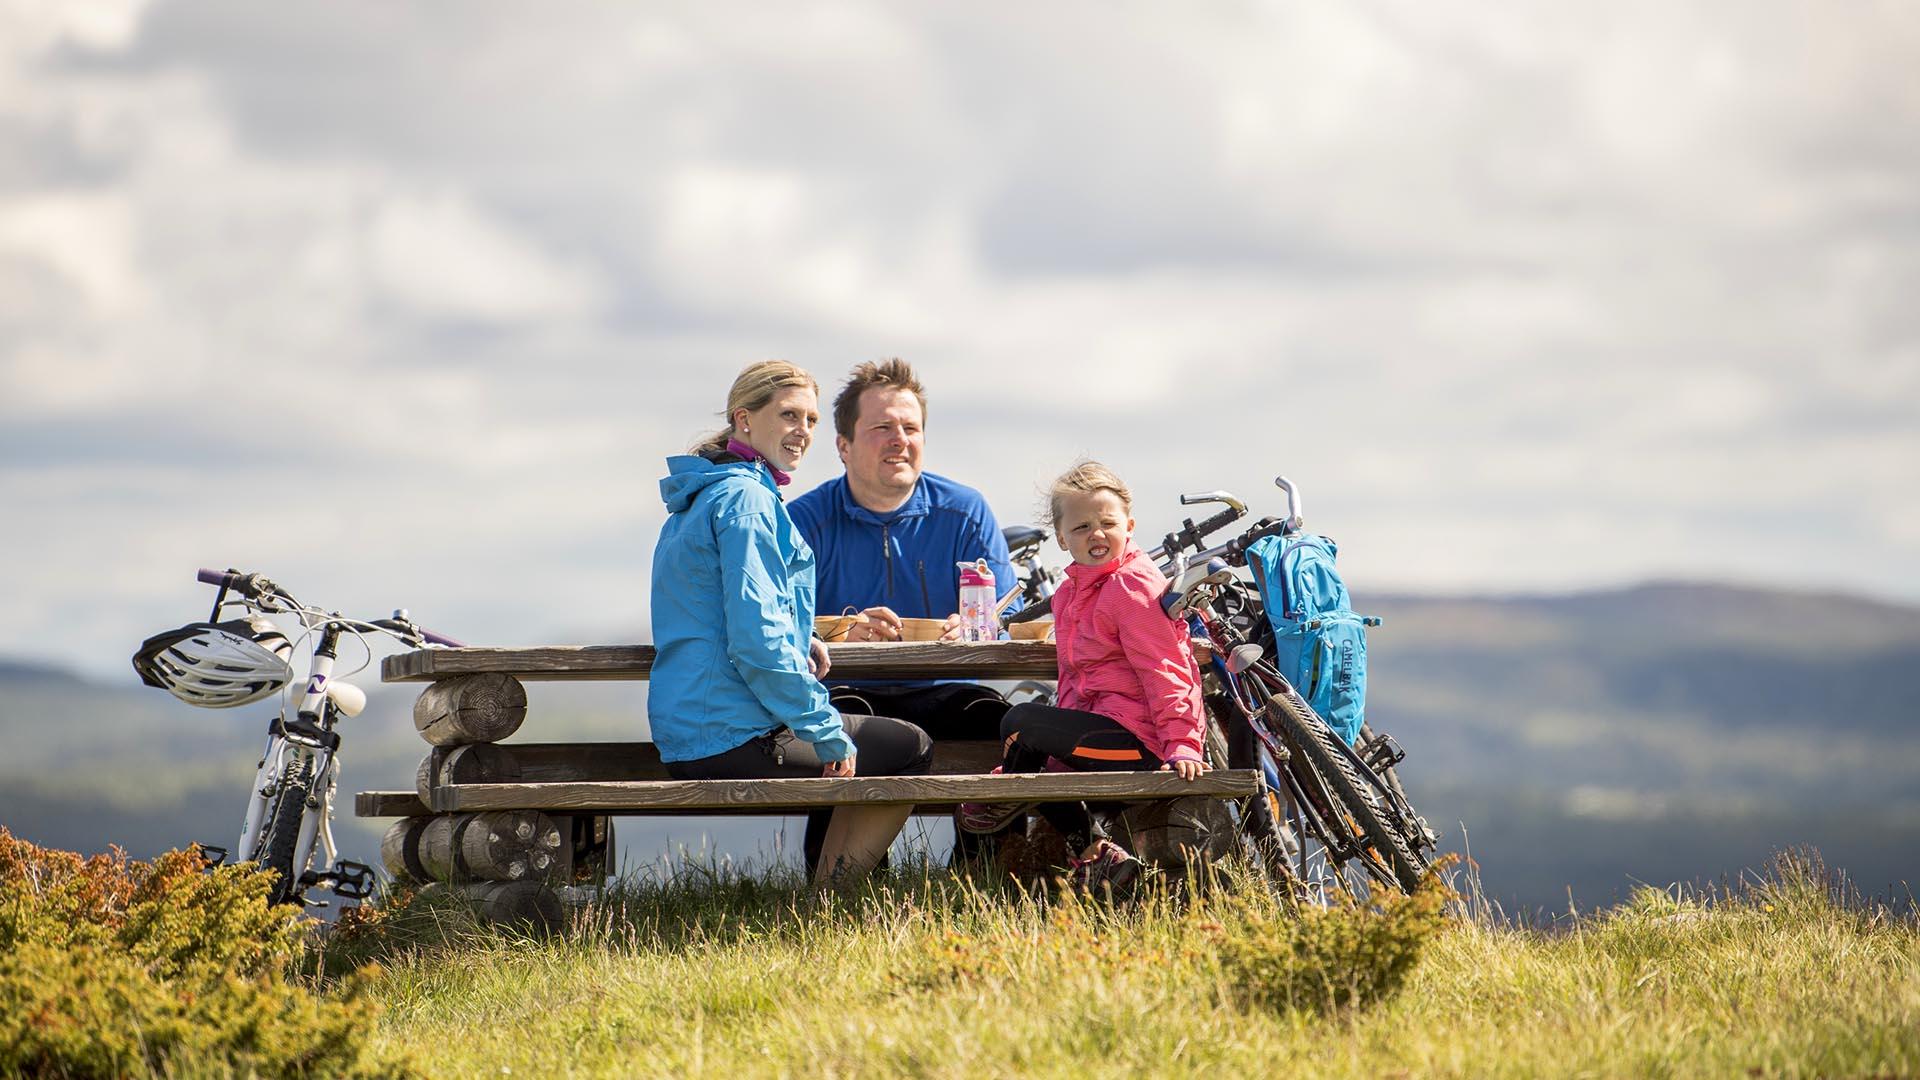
(689, 474)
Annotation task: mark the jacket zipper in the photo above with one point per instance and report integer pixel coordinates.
(886, 552)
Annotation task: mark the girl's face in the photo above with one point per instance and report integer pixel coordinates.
(1093, 526)
(782, 429)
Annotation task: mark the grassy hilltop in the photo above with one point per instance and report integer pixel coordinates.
(107, 969)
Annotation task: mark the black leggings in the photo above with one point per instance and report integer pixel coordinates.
(882, 746)
(1081, 740)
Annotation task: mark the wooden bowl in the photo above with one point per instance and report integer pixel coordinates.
(835, 627)
(922, 629)
(1032, 630)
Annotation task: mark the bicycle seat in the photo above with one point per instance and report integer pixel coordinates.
(1019, 536)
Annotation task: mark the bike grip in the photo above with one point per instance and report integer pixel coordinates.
(432, 638)
(215, 577)
(1218, 521)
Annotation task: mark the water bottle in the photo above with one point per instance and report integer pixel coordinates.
(978, 620)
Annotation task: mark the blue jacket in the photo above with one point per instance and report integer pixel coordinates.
(732, 618)
(907, 560)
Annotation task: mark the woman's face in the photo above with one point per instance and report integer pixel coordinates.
(782, 429)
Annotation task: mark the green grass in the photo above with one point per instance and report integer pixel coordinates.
(927, 974)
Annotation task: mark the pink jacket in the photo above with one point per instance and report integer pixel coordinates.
(1122, 657)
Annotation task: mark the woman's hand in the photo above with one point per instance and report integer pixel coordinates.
(818, 661)
(1188, 768)
(881, 625)
(843, 767)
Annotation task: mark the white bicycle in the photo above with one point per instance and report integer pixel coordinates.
(222, 664)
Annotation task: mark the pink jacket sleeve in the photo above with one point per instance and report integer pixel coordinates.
(1157, 648)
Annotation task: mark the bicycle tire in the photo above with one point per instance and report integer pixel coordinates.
(283, 834)
(1313, 739)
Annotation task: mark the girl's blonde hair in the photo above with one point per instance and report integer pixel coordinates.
(1084, 478)
(752, 389)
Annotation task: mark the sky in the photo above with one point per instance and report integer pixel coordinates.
(405, 304)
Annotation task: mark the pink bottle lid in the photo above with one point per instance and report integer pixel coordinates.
(976, 573)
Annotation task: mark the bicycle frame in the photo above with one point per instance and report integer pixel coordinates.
(301, 756)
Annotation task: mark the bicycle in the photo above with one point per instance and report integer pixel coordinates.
(220, 664)
(1332, 815)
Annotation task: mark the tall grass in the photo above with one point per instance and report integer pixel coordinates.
(929, 974)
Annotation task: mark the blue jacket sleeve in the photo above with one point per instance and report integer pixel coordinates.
(762, 639)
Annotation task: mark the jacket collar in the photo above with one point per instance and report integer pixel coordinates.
(917, 504)
(1085, 576)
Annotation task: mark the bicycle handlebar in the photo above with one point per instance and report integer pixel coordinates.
(255, 587)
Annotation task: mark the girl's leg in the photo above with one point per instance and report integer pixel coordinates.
(1083, 740)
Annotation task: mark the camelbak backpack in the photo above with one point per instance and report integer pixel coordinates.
(1319, 644)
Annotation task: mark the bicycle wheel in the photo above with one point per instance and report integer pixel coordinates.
(1362, 808)
(283, 833)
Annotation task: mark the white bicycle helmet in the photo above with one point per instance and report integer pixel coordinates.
(218, 665)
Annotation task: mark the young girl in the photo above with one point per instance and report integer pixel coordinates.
(1129, 696)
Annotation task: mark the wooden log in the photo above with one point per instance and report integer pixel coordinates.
(477, 763)
(400, 849)
(861, 660)
(513, 845)
(479, 708)
(532, 903)
(440, 850)
(704, 795)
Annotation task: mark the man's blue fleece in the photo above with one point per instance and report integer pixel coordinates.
(907, 560)
(733, 585)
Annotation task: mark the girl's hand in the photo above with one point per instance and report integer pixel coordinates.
(843, 767)
(1188, 768)
(818, 661)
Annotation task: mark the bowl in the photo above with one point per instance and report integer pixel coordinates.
(922, 629)
(835, 627)
(1031, 630)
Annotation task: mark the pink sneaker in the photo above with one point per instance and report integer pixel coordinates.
(975, 817)
(1111, 866)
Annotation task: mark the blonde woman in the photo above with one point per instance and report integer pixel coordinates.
(736, 690)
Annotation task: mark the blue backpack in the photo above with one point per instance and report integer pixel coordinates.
(1319, 644)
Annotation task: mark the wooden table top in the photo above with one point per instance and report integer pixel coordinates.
(863, 660)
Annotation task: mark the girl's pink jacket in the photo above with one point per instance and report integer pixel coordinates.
(1122, 657)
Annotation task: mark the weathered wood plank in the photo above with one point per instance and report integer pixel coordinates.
(390, 804)
(372, 804)
(862, 660)
(707, 795)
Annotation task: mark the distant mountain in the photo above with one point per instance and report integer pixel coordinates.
(1586, 741)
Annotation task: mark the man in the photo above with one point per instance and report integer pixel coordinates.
(888, 539)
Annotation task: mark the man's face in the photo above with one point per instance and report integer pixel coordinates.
(883, 457)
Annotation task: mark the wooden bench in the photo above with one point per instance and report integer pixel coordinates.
(475, 697)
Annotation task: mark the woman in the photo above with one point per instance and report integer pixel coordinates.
(736, 692)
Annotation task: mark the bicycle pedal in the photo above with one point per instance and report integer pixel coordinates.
(1382, 753)
(352, 880)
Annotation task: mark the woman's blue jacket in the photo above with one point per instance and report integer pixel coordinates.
(733, 588)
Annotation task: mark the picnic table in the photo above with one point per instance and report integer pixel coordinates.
(537, 812)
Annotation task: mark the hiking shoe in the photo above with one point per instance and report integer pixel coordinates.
(1110, 866)
(975, 817)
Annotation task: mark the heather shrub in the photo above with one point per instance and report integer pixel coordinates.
(111, 966)
(1321, 959)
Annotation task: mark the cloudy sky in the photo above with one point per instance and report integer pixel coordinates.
(405, 303)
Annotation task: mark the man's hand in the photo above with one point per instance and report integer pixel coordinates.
(1188, 768)
(818, 661)
(951, 631)
(843, 767)
(881, 625)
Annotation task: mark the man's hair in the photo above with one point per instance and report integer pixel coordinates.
(893, 374)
